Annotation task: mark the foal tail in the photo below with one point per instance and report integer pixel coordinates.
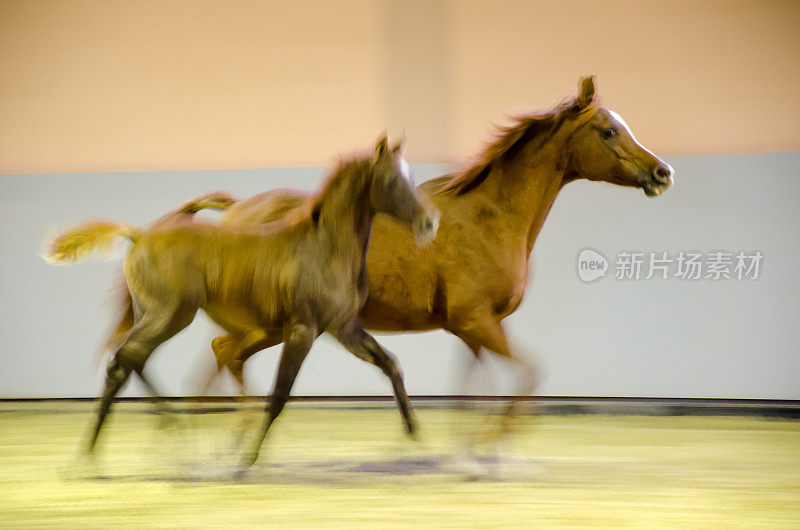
(218, 200)
(83, 241)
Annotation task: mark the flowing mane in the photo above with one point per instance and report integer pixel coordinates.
(349, 169)
(509, 140)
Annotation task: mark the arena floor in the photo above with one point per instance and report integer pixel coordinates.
(336, 465)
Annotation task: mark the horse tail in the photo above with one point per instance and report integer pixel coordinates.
(217, 200)
(127, 318)
(81, 242)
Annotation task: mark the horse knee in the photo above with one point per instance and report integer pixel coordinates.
(394, 371)
(389, 364)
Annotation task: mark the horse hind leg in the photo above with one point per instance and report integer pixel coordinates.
(116, 376)
(152, 329)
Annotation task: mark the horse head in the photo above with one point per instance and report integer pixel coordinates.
(602, 147)
(392, 191)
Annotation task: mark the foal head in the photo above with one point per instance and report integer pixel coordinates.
(392, 191)
(602, 147)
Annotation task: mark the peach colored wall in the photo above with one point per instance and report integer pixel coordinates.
(115, 85)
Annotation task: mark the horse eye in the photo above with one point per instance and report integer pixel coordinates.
(609, 133)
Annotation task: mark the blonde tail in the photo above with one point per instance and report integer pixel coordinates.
(82, 242)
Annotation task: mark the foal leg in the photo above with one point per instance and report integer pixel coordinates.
(365, 347)
(153, 328)
(220, 347)
(253, 342)
(295, 349)
(116, 376)
(234, 358)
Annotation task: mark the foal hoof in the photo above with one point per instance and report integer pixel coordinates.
(82, 467)
(245, 468)
(412, 431)
(241, 474)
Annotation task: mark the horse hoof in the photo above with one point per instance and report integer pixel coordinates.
(465, 465)
(82, 467)
(241, 474)
(412, 430)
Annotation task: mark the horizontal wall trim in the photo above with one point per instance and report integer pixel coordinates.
(547, 405)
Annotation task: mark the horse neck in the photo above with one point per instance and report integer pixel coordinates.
(526, 185)
(345, 219)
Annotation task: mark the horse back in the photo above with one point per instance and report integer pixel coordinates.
(265, 207)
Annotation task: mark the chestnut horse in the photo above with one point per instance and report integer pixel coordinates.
(295, 278)
(474, 274)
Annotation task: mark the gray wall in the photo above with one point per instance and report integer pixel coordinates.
(670, 338)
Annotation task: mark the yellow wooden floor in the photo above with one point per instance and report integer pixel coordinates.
(326, 467)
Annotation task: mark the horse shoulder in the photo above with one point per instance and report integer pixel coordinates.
(481, 259)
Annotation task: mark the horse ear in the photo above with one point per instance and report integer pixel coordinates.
(400, 148)
(382, 146)
(585, 92)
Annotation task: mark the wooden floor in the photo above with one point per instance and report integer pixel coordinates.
(344, 466)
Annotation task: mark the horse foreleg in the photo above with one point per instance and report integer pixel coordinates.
(489, 333)
(295, 349)
(234, 359)
(466, 434)
(365, 347)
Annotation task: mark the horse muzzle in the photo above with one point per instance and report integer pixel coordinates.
(661, 178)
(425, 227)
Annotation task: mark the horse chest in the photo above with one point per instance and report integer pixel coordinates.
(488, 275)
(332, 294)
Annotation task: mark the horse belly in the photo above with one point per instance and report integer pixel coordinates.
(241, 310)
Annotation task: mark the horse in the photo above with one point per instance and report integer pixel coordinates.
(295, 278)
(474, 275)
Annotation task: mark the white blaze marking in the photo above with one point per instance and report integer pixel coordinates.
(625, 126)
(630, 132)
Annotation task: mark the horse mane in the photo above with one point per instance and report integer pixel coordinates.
(307, 210)
(344, 170)
(510, 139)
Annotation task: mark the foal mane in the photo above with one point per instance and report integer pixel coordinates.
(346, 169)
(510, 139)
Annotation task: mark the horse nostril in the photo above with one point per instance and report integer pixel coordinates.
(663, 173)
